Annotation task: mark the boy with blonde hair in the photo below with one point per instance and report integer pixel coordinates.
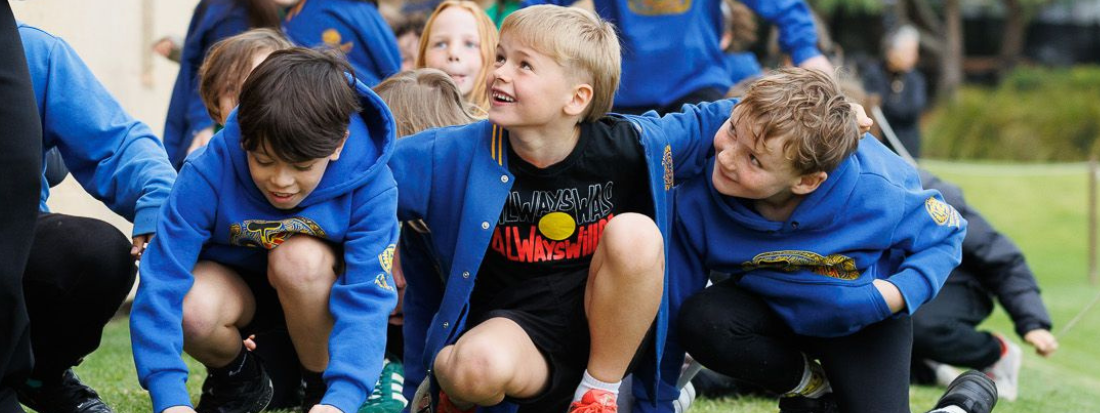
(831, 244)
(559, 214)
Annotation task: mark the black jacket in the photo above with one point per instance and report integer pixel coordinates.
(993, 263)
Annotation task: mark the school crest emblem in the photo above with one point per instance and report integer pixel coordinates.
(381, 281)
(942, 213)
(385, 259)
(836, 266)
(332, 38)
(266, 234)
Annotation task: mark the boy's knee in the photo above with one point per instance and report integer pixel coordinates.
(474, 368)
(200, 317)
(301, 262)
(632, 242)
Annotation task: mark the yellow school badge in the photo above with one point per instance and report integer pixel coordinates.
(385, 259)
(666, 161)
(332, 38)
(942, 213)
(381, 281)
(659, 7)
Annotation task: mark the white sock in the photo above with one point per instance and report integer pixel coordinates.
(589, 382)
(814, 384)
(949, 409)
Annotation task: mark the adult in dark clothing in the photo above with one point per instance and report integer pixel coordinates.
(992, 266)
(900, 87)
(20, 171)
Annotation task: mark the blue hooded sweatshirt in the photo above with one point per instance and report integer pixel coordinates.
(116, 158)
(354, 27)
(212, 21)
(212, 214)
(870, 219)
(457, 180)
(671, 47)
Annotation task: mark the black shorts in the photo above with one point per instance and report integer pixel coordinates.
(273, 346)
(551, 311)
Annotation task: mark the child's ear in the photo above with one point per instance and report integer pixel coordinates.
(808, 183)
(336, 154)
(582, 96)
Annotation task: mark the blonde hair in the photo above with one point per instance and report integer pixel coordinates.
(580, 41)
(487, 37)
(229, 62)
(424, 98)
(807, 108)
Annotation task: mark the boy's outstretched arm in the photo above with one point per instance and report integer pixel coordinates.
(156, 330)
(362, 298)
(688, 136)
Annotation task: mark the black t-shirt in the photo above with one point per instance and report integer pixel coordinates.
(554, 216)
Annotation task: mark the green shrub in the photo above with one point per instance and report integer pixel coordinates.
(1035, 114)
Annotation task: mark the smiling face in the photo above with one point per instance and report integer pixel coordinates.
(745, 167)
(527, 87)
(455, 47)
(285, 184)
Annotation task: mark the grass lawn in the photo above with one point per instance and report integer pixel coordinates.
(1041, 207)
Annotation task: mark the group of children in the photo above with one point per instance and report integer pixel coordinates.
(548, 248)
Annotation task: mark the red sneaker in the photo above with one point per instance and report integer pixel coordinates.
(595, 401)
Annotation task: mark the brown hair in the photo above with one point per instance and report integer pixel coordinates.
(229, 62)
(424, 98)
(580, 41)
(262, 14)
(297, 104)
(740, 23)
(487, 37)
(806, 107)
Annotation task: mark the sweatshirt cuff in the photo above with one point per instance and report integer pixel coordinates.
(168, 389)
(803, 53)
(344, 395)
(145, 220)
(914, 289)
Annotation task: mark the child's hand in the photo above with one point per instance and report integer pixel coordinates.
(164, 46)
(1045, 344)
(250, 342)
(324, 408)
(179, 409)
(140, 242)
(862, 120)
(891, 294)
(819, 62)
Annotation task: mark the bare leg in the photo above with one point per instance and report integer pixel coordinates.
(302, 270)
(218, 304)
(625, 283)
(490, 361)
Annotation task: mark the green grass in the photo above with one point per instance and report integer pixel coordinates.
(1041, 207)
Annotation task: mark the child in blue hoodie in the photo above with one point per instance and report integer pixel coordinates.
(828, 237)
(546, 225)
(355, 27)
(81, 269)
(287, 218)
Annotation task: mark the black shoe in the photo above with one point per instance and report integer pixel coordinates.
(67, 395)
(803, 404)
(973, 391)
(248, 390)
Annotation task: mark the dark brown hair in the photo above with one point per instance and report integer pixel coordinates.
(297, 104)
(229, 62)
(262, 14)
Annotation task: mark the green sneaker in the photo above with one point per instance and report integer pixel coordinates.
(387, 397)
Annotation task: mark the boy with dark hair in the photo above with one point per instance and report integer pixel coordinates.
(556, 210)
(81, 269)
(828, 237)
(285, 220)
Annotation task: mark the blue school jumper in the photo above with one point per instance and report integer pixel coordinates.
(352, 26)
(457, 180)
(869, 220)
(670, 47)
(742, 65)
(212, 21)
(116, 158)
(216, 212)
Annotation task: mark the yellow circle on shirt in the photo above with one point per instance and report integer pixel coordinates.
(557, 226)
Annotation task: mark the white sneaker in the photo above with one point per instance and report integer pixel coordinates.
(687, 396)
(945, 373)
(1006, 371)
